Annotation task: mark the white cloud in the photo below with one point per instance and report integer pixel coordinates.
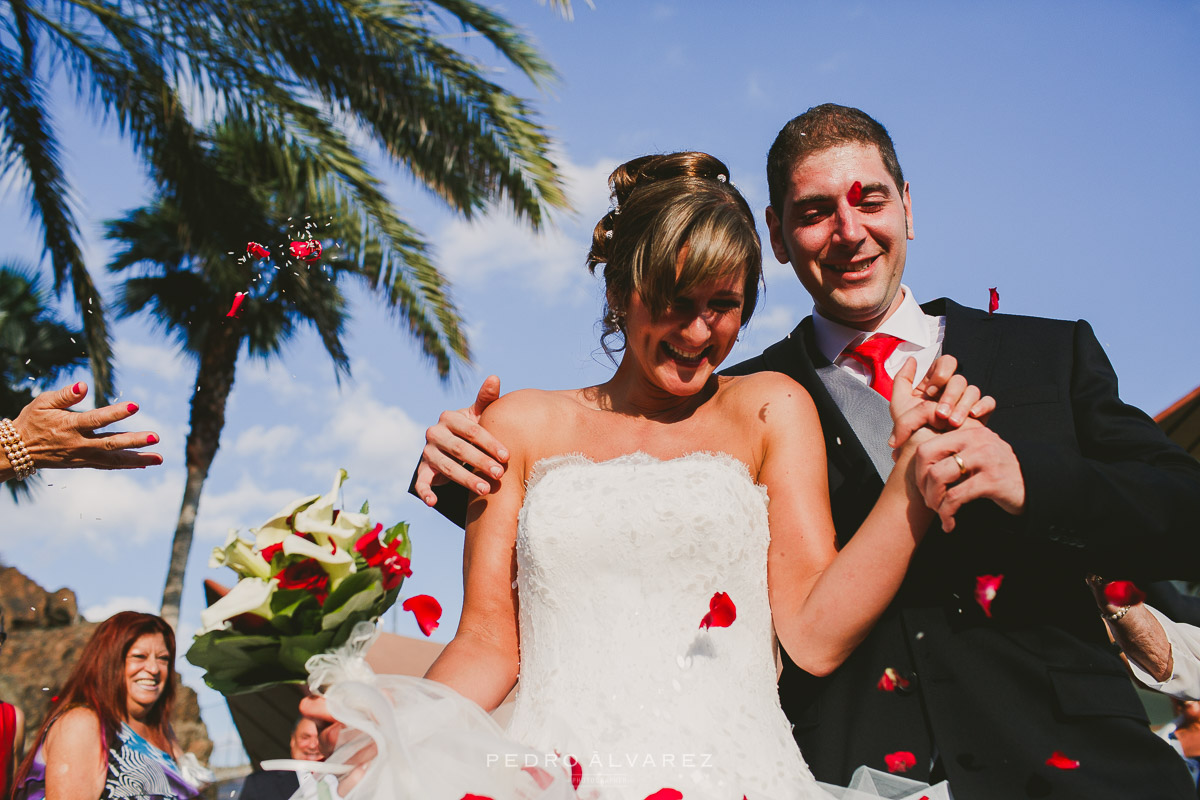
(102, 611)
(773, 324)
(246, 505)
(549, 263)
(272, 441)
(101, 509)
(163, 362)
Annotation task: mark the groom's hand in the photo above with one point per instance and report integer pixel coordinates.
(458, 448)
(968, 464)
(944, 400)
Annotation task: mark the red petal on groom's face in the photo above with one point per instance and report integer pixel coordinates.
(1123, 593)
(666, 794)
(986, 587)
(1060, 761)
(854, 196)
(427, 611)
(721, 612)
(993, 300)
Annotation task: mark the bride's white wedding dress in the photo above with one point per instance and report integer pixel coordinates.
(617, 562)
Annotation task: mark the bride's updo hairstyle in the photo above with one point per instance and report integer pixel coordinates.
(661, 205)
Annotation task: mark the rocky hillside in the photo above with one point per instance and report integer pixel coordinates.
(45, 636)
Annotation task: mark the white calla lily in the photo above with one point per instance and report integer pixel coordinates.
(248, 596)
(277, 525)
(238, 555)
(320, 520)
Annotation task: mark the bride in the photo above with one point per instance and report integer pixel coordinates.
(653, 541)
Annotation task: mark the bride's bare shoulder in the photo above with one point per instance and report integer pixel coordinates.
(526, 411)
(761, 391)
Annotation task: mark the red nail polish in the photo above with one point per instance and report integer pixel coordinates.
(77, 388)
(132, 407)
(152, 439)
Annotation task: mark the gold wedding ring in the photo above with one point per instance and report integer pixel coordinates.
(962, 468)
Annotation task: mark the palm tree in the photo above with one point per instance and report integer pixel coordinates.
(35, 348)
(180, 272)
(165, 69)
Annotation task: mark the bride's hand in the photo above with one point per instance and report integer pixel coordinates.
(944, 400)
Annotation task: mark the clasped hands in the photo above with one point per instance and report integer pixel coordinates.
(966, 461)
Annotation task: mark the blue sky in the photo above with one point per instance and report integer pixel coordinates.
(1051, 150)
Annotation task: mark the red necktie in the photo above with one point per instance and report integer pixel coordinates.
(871, 353)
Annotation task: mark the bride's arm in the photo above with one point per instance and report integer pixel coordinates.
(482, 661)
(824, 602)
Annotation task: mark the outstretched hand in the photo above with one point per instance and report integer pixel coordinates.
(458, 448)
(57, 438)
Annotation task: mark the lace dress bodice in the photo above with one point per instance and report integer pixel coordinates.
(616, 564)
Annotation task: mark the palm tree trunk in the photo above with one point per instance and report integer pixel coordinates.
(214, 381)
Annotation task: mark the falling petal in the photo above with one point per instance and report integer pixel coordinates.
(721, 612)
(891, 680)
(900, 761)
(854, 196)
(993, 300)
(237, 304)
(306, 250)
(576, 772)
(427, 610)
(1058, 760)
(666, 794)
(1123, 593)
(986, 587)
(257, 250)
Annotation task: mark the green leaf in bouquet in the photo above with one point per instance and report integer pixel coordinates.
(295, 651)
(288, 607)
(399, 531)
(358, 592)
(235, 663)
(366, 507)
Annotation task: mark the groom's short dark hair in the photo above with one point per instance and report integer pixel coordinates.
(817, 129)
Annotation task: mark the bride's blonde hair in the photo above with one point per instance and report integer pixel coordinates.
(662, 204)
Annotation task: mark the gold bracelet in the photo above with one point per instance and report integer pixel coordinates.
(14, 448)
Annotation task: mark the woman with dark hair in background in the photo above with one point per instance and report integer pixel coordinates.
(109, 735)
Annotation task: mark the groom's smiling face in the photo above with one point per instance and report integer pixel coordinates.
(846, 244)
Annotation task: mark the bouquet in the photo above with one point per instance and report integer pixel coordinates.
(311, 573)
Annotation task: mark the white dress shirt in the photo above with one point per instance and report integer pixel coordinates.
(1184, 682)
(921, 338)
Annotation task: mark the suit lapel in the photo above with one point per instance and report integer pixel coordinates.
(970, 338)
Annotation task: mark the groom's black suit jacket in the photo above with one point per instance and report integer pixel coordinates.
(993, 698)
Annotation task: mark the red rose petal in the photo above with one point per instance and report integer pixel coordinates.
(1123, 593)
(666, 794)
(308, 575)
(237, 304)
(986, 587)
(1060, 761)
(721, 612)
(891, 680)
(576, 772)
(427, 610)
(306, 250)
(475, 797)
(900, 761)
(257, 250)
(854, 196)
(993, 300)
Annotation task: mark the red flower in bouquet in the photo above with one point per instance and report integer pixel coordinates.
(395, 567)
(308, 575)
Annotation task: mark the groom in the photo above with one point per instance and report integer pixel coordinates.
(1066, 480)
